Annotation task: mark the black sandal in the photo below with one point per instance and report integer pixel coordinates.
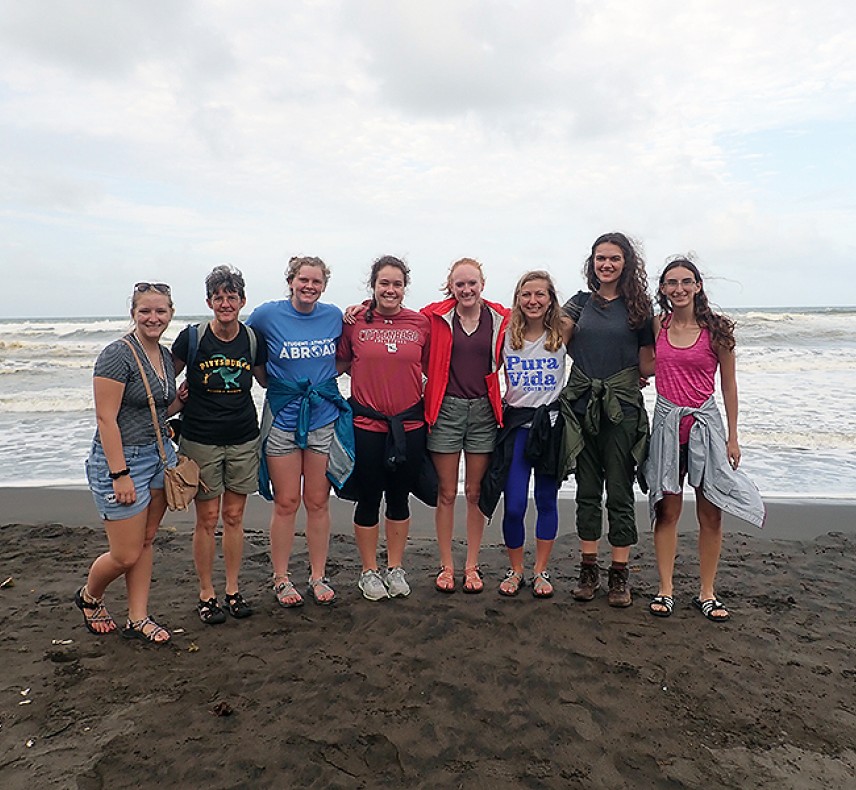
(99, 615)
(136, 629)
(711, 605)
(210, 612)
(237, 606)
(661, 606)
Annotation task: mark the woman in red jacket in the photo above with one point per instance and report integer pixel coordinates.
(463, 408)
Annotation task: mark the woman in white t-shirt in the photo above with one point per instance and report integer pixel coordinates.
(534, 360)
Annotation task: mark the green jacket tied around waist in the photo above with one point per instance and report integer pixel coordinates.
(605, 399)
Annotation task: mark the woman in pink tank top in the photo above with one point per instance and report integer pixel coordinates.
(691, 342)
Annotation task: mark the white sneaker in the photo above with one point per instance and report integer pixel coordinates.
(396, 583)
(372, 586)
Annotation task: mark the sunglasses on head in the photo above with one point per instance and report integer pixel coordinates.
(161, 288)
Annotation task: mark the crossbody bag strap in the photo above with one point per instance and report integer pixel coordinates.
(150, 399)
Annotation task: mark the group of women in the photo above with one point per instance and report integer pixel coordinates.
(425, 390)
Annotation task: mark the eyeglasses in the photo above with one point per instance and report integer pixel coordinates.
(686, 283)
(161, 288)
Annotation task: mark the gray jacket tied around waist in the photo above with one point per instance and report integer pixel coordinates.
(708, 467)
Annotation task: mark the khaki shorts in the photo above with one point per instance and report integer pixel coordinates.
(224, 467)
(463, 424)
(317, 441)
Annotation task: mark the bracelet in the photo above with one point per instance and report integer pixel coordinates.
(117, 475)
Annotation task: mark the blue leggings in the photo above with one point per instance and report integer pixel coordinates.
(517, 497)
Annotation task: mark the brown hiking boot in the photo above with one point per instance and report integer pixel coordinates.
(588, 584)
(619, 588)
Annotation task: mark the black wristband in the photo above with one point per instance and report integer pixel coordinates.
(117, 475)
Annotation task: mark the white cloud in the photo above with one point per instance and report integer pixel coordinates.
(171, 137)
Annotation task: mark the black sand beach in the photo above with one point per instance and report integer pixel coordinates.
(433, 690)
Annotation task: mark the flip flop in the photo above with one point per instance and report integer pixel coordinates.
(709, 606)
(666, 601)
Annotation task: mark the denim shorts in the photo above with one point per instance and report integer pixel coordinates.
(224, 467)
(282, 442)
(463, 424)
(146, 471)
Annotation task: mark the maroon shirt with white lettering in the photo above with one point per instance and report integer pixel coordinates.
(387, 358)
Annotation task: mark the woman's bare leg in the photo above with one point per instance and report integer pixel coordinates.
(475, 465)
(316, 500)
(447, 465)
(233, 538)
(205, 544)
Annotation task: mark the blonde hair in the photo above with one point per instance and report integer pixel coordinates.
(296, 262)
(552, 318)
(446, 287)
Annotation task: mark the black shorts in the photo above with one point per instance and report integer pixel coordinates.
(375, 481)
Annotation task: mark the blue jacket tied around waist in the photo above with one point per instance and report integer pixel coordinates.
(280, 394)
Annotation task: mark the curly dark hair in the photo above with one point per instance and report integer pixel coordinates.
(384, 260)
(226, 277)
(720, 326)
(633, 282)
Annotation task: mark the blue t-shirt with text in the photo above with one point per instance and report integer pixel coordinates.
(301, 346)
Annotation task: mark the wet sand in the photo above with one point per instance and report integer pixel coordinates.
(433, 690)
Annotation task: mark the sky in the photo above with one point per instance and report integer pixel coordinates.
(156, 140)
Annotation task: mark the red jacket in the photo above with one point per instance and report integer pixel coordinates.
(440, 355)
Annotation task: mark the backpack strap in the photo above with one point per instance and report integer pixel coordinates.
(254, 343)
(195, 333)
(192, 343)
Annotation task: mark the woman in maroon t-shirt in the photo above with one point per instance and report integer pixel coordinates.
(385, 351)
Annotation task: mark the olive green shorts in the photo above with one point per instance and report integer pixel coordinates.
(463, 424)
(224, 467)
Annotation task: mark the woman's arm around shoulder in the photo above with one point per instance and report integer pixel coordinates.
(646, 361)
(567, 325)
(648, 355)
(728, 383)
(180, 350)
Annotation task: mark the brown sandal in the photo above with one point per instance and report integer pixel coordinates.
(445, 582)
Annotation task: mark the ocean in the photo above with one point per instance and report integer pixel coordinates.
(796, 372)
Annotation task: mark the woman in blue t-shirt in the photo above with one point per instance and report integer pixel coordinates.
(305, 417)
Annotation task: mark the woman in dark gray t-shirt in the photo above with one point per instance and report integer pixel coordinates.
(612, 345)
(124, 466)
